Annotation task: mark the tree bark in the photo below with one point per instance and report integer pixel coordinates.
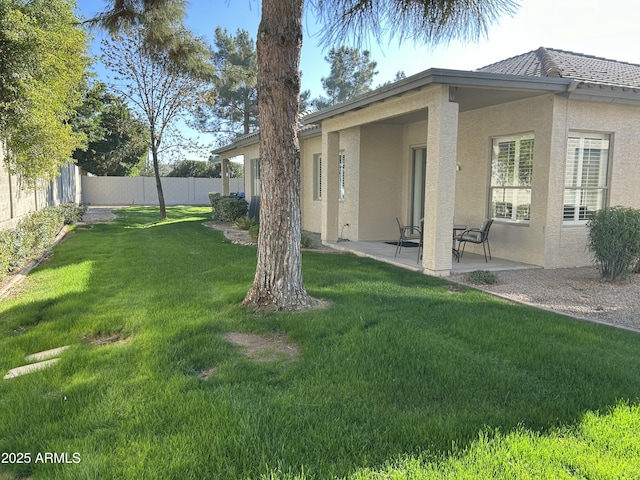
(278, 279)
(156, 171)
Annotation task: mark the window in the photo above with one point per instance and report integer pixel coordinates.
(511, 172)
(341, 161)
(317, 177)
(585, 182)
(255, 176)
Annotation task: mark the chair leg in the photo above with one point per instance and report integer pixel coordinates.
(398, 247)
(485, 252)
(489, 248)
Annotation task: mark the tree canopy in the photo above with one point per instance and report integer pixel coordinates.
(116, 140)
(159, 93)
(196, 168)
(43, 56)
(230, 108)
(352, 73)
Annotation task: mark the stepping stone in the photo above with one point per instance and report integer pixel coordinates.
(54, 352)
(33, 367)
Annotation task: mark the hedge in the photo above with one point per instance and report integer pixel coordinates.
(33, 234)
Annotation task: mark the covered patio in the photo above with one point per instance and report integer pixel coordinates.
(408, 257)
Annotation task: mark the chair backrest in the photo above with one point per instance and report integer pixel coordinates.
(486, 225)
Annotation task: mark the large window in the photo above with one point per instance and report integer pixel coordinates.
(585, 182)
(511, 172)
(341, 161)
(317, 177)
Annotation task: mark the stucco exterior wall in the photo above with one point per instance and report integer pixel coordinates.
(348, 208)
(311, 208)
(566, 245)
(519, 242)
(381, 168)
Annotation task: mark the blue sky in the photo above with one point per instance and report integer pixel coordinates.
(594, 27)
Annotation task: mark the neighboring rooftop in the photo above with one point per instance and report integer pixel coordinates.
(548, 62)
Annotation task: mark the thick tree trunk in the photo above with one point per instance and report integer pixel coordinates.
(278, 280)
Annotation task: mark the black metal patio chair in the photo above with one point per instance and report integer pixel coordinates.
(409, 234)
(477, 236)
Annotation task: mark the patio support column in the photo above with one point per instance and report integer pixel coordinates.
(224, 173)
(442, 139)
(330, 153)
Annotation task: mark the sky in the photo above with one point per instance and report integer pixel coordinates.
(593, 27)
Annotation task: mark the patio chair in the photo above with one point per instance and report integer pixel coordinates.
(408, 233)
(477, 236)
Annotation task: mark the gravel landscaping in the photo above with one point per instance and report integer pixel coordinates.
(578, 292)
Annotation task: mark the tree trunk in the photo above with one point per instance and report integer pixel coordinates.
(156, 171)
(278, 280)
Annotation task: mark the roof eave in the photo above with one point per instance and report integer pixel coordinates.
(458, 78)
(605, 94)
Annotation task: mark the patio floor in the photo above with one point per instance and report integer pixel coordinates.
(408, 257)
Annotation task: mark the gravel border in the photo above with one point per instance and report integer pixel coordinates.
(577, 292)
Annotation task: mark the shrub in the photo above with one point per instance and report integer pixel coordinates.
(253, 232)
(482, 277)
(72, 212)
(228, 209)
(232, 208)
(245, 223)
(614, 240)
(33, 234)
(306, 241)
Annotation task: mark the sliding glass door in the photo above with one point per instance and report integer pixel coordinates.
(418, 182)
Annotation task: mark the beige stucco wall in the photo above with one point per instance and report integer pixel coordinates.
(519, 242)
(566, 245)
(311, 208)
(381, 174)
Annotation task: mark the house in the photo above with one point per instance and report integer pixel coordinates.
(536, 142)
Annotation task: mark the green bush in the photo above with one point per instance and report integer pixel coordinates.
(482, 277)
(254, 231)
(33, 234)
(227, 209)
(245, 223)
(72, 212)
(306, 241)
(614, 240)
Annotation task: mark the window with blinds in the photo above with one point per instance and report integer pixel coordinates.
(317, 177)
(586, 176)
(511, 173)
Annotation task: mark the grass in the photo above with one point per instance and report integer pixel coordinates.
(402, 376)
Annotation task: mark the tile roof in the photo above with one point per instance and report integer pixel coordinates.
(548, 62)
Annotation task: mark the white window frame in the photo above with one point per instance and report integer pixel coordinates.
(341, 175)
(511, 178)
(317, 176)
(586, 184)
(256, 186)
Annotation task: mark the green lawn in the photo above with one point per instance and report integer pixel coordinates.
(402, 376)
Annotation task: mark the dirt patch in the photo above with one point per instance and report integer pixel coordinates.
(264, 348)
(207, 373)
(109, 339)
